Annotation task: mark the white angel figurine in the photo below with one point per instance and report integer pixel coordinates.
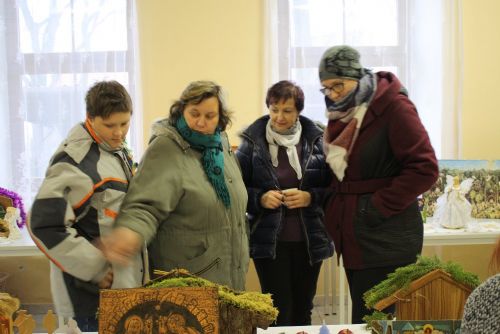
(453, 210)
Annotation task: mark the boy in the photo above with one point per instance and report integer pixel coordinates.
(77, 202)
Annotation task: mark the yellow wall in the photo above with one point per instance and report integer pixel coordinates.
(183, 41)
(28, 278)
(481, 112)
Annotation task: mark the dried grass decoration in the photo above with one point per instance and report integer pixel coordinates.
(237, 309)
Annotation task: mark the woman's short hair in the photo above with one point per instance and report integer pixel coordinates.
(195, 93)
(107, 97)
(284, 90)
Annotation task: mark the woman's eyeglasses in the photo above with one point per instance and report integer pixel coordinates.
(337, 88)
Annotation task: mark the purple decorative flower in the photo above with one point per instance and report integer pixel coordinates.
(17, 203)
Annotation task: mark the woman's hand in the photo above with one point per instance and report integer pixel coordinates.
(295, 198)
(107, 280)
(272, 199)
(119, 246)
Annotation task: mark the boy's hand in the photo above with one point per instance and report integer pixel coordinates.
(119, 246)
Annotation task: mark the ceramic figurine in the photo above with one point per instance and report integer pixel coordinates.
(324, 329)
(70, 328)
(12, 216)
(24, 322)
(49, 322)
(8, 305)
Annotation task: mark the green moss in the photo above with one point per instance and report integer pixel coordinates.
(253, 301)
(370, 320)
(402, 277)
(181, 282)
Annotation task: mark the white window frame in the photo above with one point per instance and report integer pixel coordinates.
(428, 59)
(90, 63)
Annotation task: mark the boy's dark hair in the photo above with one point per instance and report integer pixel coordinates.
(284, 90)
(107, 97)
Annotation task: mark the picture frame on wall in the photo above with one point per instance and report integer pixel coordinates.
(484, 194)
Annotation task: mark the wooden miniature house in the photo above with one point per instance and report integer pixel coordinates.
(435, 295)
(162, 310)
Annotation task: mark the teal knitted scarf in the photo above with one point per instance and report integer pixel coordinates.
(212, 156)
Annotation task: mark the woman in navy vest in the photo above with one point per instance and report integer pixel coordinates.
(284, 170)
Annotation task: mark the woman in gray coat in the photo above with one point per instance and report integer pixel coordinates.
(187, 199)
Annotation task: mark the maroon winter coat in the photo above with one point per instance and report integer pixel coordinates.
(373, 215)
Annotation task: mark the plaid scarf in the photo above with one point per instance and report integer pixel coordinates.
(344, 120)
(212, 157)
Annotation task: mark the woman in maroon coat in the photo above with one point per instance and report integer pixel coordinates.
(383, 160)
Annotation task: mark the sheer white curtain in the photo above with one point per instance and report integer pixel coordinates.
(418, 40)
(51, 52)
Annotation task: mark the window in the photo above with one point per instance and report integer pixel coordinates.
(51, 52)
(418, 40)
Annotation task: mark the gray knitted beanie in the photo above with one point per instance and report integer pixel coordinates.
(340, 61)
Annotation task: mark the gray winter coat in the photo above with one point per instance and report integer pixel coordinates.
(173, 206)
(76, 204)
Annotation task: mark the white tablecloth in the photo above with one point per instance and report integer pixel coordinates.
(334, 329)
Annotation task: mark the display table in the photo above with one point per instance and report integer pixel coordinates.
(486, 231)
(334, 329)
(482, 231)
(20, 247)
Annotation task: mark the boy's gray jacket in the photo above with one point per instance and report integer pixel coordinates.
(173, 206)
(77, 203)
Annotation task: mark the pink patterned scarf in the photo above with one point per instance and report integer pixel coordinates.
(343, 126)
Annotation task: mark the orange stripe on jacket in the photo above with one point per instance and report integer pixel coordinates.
(37, 243)
(97, 185)
(92, 132)
(110, 213)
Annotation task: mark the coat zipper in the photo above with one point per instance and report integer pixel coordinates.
(300, 209)
(207, 268)
(277, 187)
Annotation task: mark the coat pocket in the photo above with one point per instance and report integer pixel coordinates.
(367, 215)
